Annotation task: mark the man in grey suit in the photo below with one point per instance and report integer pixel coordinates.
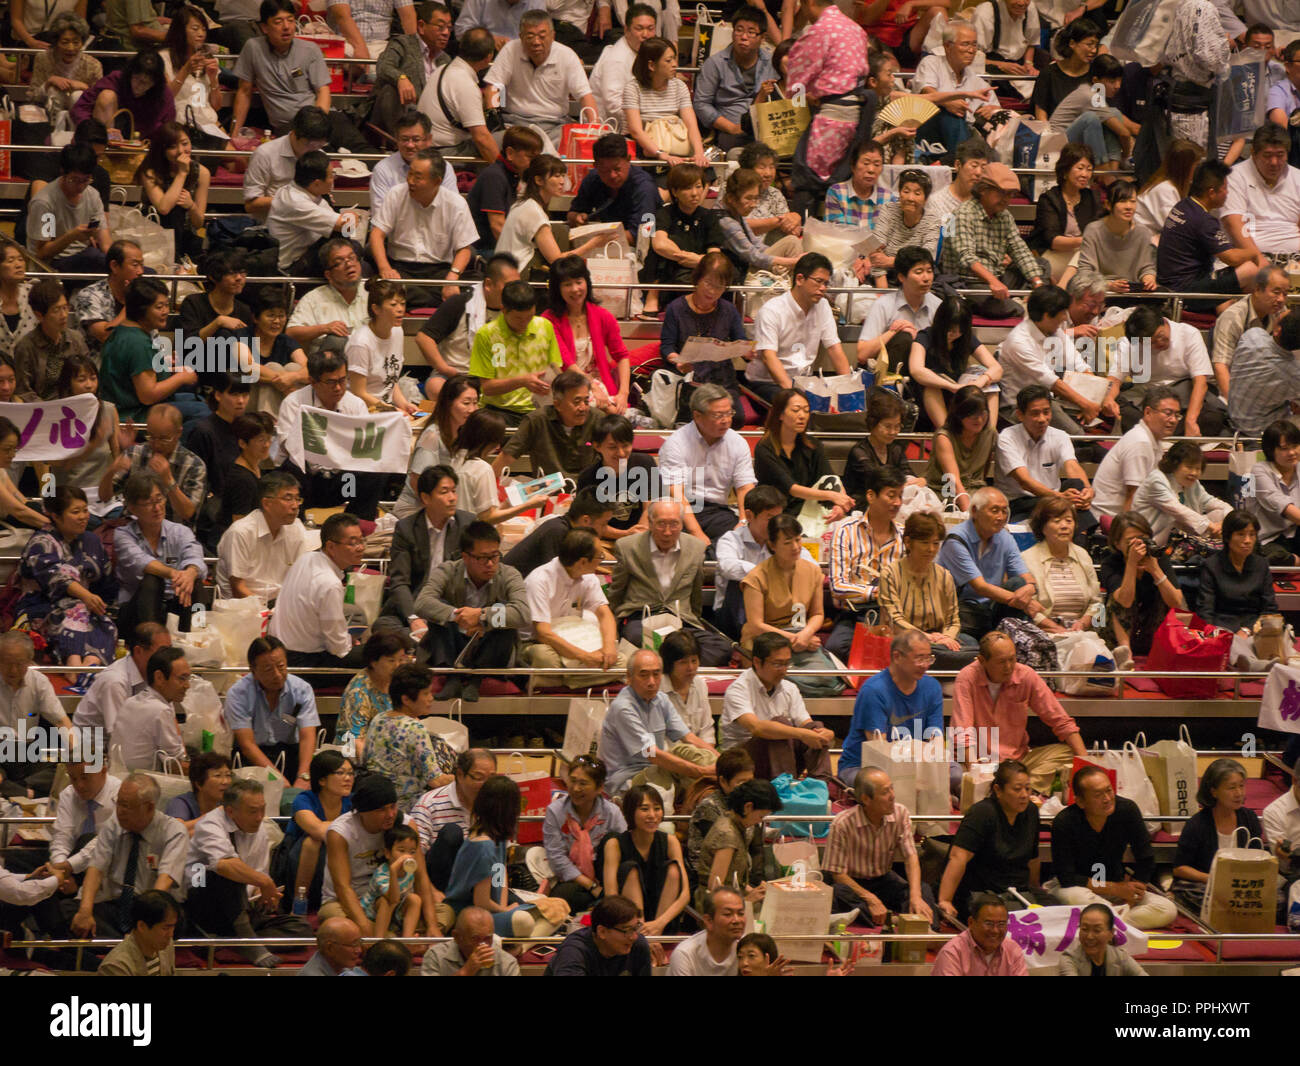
(421, 542)
(402, 70)
(476, 600)
(661, 569)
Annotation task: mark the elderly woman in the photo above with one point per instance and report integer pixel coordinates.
(1222, 799)
(1276, 499)
(576, 823)
(724, 859)
(1141, 585)
(367, 693)
(210, 776)
(331, 777)
(1068, 590)
(1171, 497)
(399, 747)
(904, 223)
(1235, 584)
(1065, 211)
(64, 69)
(1095, 954)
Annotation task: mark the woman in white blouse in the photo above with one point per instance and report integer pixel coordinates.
(1172, 496)
(687, 691)
(526, 232)
(479, 442)
(1169, 184)
(654, 93)
(1069, 594)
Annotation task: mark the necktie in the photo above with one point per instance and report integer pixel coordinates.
(128, 881)
(88, 826)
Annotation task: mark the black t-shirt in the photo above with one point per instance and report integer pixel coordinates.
(1053, 86)
(495, 189)
(213, 440)
(443, 322)
(238, 498)
(1000, 850)
(1190, 240)
(540, 546)
(579, 957)
(630, 493)
(197, 311)
(862, 458)
(696, 232)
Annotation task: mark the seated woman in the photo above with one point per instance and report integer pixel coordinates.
(1276, 500)
(724, 860)
(682, 684)
(177, 186)
(1171, 182)
(367, 693)
(376, 351)
(946, 358)
(398, 746)
(210, 776)
(17, 319)
(1064, 212)
(588, 335)
(747, 252)
(63, 69)
(331, 776)
(281, 362)
(1118, 249)
(996, 847)
(1223, 813)
(457, 400)
(67, 584)
(140, 87)
(477, 876)
(625, 477)
(577, 822)
(1141, 585)
(479, 441)
(771, 218)
(655, 94)
(903, 223)
(917, 593)
(962, 453)
(239, 496)
(526, 233)
(704, 313)
(223, 306)
(881, 448)
(1076, 45)
(191, 69)
(1235, 584)
(1172, 498)
(1068, 593)
(1095, 955)
(645, 865)
(788, 459)
(13, 505)
(83, 469)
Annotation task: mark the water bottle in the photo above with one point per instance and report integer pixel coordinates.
(300, 902)
(839, 947)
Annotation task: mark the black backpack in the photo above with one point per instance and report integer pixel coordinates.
(810, 190)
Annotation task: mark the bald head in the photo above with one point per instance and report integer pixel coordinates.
(339, 940)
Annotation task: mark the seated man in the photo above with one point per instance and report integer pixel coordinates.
(565, 588)
(139, 850)
(499, 17)
(257, 550)
(1087, 302)
(899, 701)
(981, 236)
(558, 437)
(411, 129)
(712, 951)
(496, 187)
(860, 852)
(539, 77)
(309, 614)
(896, 317)
(83, 810)
(230, 889)
(1284, 93)
(129, 375)
(1281, 822)
(513, 354)
(586, 511)
(791, 329)
(112, 687)
(991, 700)
(702, 463)
(159, 564)
(983, 950)
(100, 307)
(729, 80)
(614, 190)
(861, 549)
(992, 579)
(329, 314)
(441, 816)
(49, 345)
(1036, 461)
(662, 570)
(182, 474)
(765, 714)
(644, 740)
(1135, 455)
(272, 714)
(857, 201)
(271, 166)
(366, 28)
(453, 101)
(474, 607)
(423, 230)
(952, 81)
(610, 946)
(1007, 33)
(147, 950)
(1260, 307)
(1262, 209)
(25, 694)
(473, 951)
(1266, 370)
(613, 70)
(967, 169)
(421, 542)
(301, 219)
(407, 62)
(338, 948)
(1172, 354)
(740, 550)
(67, 222)
(446, 338)
(147, 726)
(1089, 840)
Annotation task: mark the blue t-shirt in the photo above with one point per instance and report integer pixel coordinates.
(185, 807)
(307, 800)
(881, 707)
(1190, 240)
(630, 204)
(961, 557)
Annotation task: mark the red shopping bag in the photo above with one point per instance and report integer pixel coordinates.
(312, 27)
(869, 651)
(1079, 764)
(534, 798)
(577, 140)
(6, 132)
(1179, 646)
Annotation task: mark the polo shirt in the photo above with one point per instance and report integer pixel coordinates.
(494, 192)
(246, 708)
(747, 695)
(707, 472)
(1189, 241)
(270, 168)
(964, 556)
(325, 304)
(1000, 850)
(1186, 357)
(1275, 211)
(436, 809)
(543, 91)
(1043, 459)
(796, 336)
(1029, 357)
(629, 204)
(500, 352)
(298, 219)
(286, 83)
(890, 306)
(459, 86)
(882, 707)
(632, 730)
(553, 594)
(390, 173)
(128, 351)
(697, 232)
(419, 234)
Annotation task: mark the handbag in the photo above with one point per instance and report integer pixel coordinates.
(1176, 646)
(662, 397)
(170, 778)
(670, 136)
(333, 45)
(451, 729)
(808, 796)
(1034, 648)
(869, 650)
(124, 157)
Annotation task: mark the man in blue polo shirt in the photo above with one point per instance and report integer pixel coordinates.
(992, 579)
(614, 190)
(273, 713)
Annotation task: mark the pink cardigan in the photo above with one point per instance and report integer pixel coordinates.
(605, 340)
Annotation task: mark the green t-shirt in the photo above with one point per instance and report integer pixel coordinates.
(500, 352)
(127, 352)
(123, 14)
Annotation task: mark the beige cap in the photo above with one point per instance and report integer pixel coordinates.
(999, 176)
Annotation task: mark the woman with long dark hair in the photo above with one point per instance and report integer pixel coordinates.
(962, 452)
(1171, 182)
(479, 442)
(526, 233)
(177, 186)
(140, 87)
(190, 67)
(588, 335)
(457, 401)
(941, 356)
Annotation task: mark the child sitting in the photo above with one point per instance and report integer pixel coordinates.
(388, 895)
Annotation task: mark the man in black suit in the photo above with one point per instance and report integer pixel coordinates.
(420, 543)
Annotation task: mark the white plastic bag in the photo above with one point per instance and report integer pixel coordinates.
(839, 243)
(1085, 651)
(238, 622)
(450, 729)
(662, 400)
(204, 728)
(202, 646)
(272, 780)
(918, 499)
(170, 779)
(1130, 776)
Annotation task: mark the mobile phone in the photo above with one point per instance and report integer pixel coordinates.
(544, 951)
(1288, 585)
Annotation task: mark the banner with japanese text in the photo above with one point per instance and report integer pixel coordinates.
(372, 443)
(52, 429)
(1046, 933)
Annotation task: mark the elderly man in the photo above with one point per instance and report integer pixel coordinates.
(101, 306)
(983, 950)
(612, 945)
(614, 190)
(1266, 368)
(991, 700)
(1089, 839)
(1284, 93)
(272, 713)
(1036, 461)
(1172, 354)
(475, 607)
(703, 462)
(538, 77)
(25, 694)
(712, 951)
(1262, 306)
(338, 948)
(473, 951)
(661, 570)
(764, 713)
(141, 849)
(981, 235)
(900, 700)
(147, 725)
(329, 314)
(1135, 455)
(159, 563)
(146, 951)
(256, 552)
(454, 104)
(861, 848)
(272, 164)
(613, 69)
(953, 82)
(644, 740)
(180, 473)
(728, 80)
(408, 62)
(558, 437)
(992, 580)
(861, 550)
(1087, 302)
(441, 816)
(230, 889)
(1262, 210)
(414, 133)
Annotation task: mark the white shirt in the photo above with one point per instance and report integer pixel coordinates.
(16, 889)
(1030, 357)
(541, 92)
(936, 72)
(1281, 820)
(1043, 459)
(707, 472)
(1125, 466)
(70, 819)
(1017, 34)
(437, 543)
(325, 304)
(309, 616)
(460, 90)
(391, 172)
(287, 421)
(217, 837)
(1275, 211)
(796, 336)
(746, 695)
(553, 594)
(694, 709)
(145, 727)
(890, 306)
(665, 563)
(430, 234)
(35, 696)
(477, 491)
(523, 221)
(691, 958)
(270, 168)
(365, 853)
(296, 220)
(612, 73)
(378, 359)
(1186, 357)
(165, 843)
(106, 695)
(248, 551)
(1155, 204)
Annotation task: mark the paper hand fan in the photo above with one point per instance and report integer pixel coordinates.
(908, 111)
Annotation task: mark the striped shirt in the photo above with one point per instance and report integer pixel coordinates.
(926, 603)
(862, 850)
(857, 560)
(971, 236)
(846, 207)
(656, 103)
(435, 809)
(1069, 599)
(1265, 376)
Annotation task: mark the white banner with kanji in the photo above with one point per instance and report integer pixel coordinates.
(1045, 933)
(372, 443)
(52, 429)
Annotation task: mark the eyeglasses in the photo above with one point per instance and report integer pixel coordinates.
(351, 542)
(489, 557)
(718, 416)
(334, 383)
(161, 440)
(624, 931)
(294, 498)
(780, 664)
(343, 259)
